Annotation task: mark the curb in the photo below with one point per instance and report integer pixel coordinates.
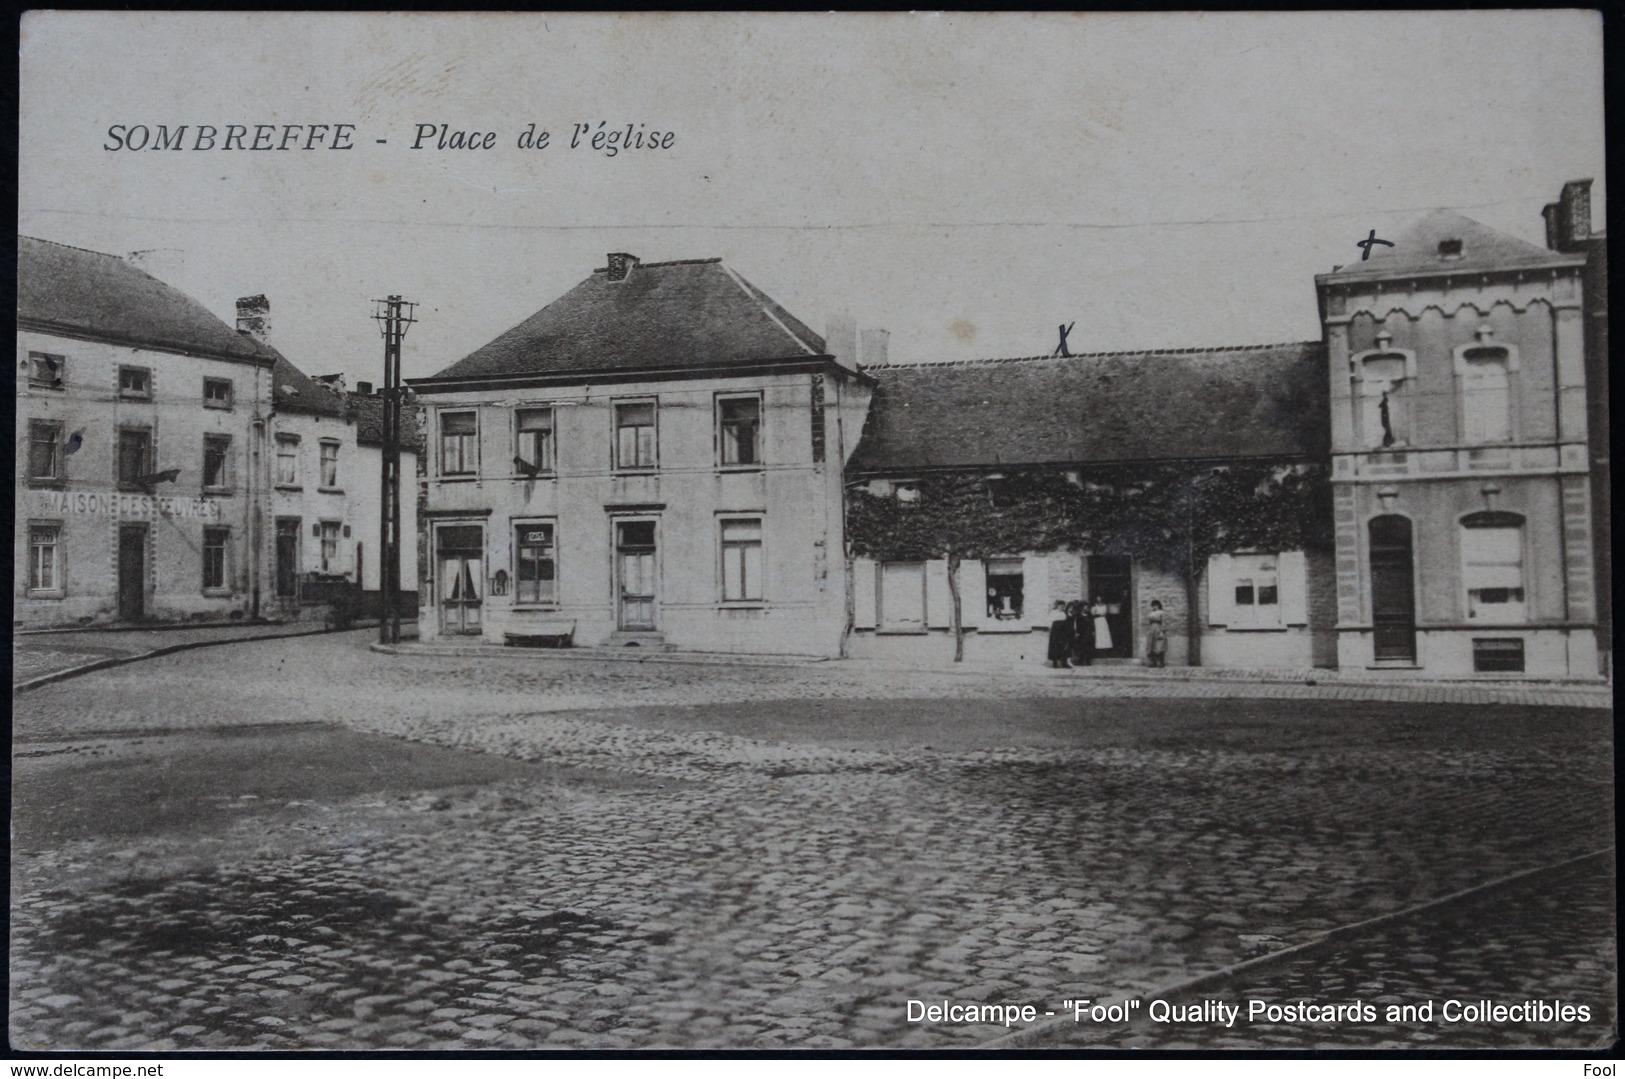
(151, 653)
(1322, 942)
(608, 655)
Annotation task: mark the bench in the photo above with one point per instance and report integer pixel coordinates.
(555, 633)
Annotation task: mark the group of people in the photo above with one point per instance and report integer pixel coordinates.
(1079, 631)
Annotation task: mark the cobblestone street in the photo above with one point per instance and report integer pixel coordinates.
(720, 856)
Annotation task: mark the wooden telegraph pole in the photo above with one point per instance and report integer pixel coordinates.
(393, 315)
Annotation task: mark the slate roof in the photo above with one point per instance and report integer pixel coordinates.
(93, 294)
(1416, 251)
(1253, 401)
(662, 315)
(294, 391)
(369, 423)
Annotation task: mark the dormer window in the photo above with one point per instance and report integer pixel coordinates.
(1450, 249)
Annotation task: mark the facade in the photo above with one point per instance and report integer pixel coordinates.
(138, 415)
(1462, 453)
(654, 459)
(171, 467)
(982, 492)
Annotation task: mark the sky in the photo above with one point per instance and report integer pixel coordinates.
(967, 182)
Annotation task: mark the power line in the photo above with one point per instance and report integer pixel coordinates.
(859, 226)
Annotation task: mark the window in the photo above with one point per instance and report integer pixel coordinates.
(1385, 418)
(216, 462)
(216, 544)
(287, 460)
(533, 452)
(329, 532)
(1005, 585)
(1492, 566)
(902, 595)
(1486, 400)
(44, 451)
(741, 561)
(1257, 591)
(134, 457)
(739, 421)
(45, 371)
(635, 435)
(134, 381)
(535, 569)
(459, 443)
(217, 393)
(45, 558)
(330, 464)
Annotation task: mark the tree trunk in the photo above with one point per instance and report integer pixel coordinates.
(1193, 617)
(957, 622)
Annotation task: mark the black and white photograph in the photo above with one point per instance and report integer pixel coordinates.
(815, 533)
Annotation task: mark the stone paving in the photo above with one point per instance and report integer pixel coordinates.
(37, 654)
(786, 892)
(1552, 942)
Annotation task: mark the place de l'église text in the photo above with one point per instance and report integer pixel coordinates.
(600, 136)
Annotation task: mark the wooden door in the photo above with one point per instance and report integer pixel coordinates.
(1393, 591)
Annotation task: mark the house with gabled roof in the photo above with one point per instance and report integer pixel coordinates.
(1467, 477)
(654, 459)
(984, 491)
(137, 497)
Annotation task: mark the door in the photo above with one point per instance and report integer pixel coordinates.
(132, 573)
(287, 557)
(635, 574)
(1393, 591)
(462, 578)
(1111, 581)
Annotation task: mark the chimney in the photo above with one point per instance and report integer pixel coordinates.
(1553, 212)
(620, 265)
(254, 317)
(1576, 214)
(332, 382)
(841, 338)
(874, 347)
(364, 389)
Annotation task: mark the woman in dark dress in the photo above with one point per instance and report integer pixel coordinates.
(1083, 643)
(1060, 636)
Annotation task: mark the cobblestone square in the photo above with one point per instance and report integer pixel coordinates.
(302, 844)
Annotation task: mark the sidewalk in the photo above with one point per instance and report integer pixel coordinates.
(39, 658)
(1136, 680)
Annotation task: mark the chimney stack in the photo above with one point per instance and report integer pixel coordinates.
(1568, 220)
(841, 338)
(620, 265)
(332, 382)
(364, 389)
(254, 317)
(874, 344)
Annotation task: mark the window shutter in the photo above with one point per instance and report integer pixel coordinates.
(1221, 596)
(1035, 586)
(938, 603)
(1294, 589)
(972, 592)
(863, 593)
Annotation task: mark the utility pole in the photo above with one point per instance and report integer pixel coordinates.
(393, 315)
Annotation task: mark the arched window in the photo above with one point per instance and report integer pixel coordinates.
(1384, 409)
(1486, 394)
(1492, 567)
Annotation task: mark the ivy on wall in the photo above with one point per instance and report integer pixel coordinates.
(1171, 515)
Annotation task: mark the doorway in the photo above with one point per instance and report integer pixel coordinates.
(1393, 591)
(635, 574)
(132, 573)
(287, 558)
(462, 579)
(1111, 581)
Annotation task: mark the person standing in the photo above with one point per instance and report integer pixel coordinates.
(1156, 637)
(1083, 637)
(1103, 631)
(1060, 636)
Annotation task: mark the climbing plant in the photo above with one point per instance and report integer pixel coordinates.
(1172, 515)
